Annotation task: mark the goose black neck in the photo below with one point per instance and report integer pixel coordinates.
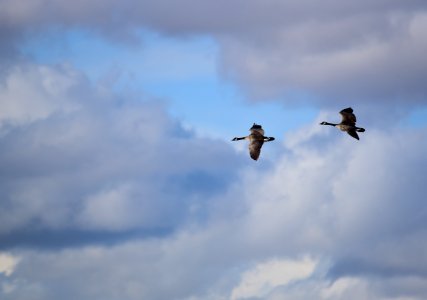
(327, 123)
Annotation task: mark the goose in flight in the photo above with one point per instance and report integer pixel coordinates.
(256, 140)
(348, 123)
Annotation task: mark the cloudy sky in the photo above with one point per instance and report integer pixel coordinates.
(119, 179)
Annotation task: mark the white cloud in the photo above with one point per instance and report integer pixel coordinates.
(8, 263)
(76, 157)
(266, 276)
(345, 288)
(114, 163)
(33, 92)
(111, 209)
(348, 203)
(353, 288)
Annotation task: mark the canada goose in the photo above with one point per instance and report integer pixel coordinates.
(256, 140)
(348, 123)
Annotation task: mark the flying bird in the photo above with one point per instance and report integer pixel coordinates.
(348, 123)
(256, 140)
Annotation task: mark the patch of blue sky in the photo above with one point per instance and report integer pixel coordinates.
(417, 118)
(182, 72)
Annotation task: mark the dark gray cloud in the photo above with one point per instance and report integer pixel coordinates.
(51, 239)
(366, 52)
(204, 17)
(369, 52)
(368, 57)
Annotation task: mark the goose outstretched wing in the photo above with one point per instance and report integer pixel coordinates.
(348, 118)
(353, 133)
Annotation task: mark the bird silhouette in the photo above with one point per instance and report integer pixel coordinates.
(348, 123)
(256, 140)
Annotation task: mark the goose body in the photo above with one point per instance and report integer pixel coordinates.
(256, 139)
(348, 123)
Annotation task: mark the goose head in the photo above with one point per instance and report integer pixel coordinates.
(256, 126)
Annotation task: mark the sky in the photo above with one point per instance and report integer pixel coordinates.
(119, 179)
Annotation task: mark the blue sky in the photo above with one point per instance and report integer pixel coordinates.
(184, 73)
(119, 179)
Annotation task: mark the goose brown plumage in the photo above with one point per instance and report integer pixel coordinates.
(348, 123)
(256, 140)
